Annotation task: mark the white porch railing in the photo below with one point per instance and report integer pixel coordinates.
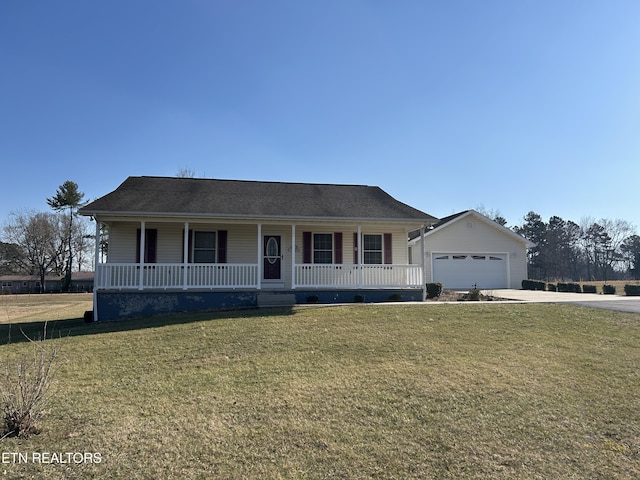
(245, 275)
(172, 275)
(357, 276)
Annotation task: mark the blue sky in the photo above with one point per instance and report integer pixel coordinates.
(447, 105)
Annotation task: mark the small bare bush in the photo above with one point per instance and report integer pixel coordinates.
(25, 384)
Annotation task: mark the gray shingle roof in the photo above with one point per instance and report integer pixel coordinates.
(251, 199)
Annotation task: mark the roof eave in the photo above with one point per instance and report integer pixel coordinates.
(512, 234)
(256, 218)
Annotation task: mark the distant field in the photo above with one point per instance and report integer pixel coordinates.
(44, 307)
(448, 391)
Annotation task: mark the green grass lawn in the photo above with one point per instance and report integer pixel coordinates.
(363, 391)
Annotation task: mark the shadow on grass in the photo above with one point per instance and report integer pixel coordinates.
(25, 331)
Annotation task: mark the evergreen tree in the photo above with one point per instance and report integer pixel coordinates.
(67, 197)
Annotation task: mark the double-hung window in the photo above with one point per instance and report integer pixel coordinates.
(204, 247)
(322, 248)
(372, 249)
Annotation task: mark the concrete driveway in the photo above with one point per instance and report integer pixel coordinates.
(607, 302)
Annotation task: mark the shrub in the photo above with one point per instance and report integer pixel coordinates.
(551, 287)
(395, 297)
(569, 287)
(24, 391)
(589, 289)
(358, 298)
(609, 289)
(632, 290)
(533, 285)
(473, 295)
(434, 290)
(313, 299)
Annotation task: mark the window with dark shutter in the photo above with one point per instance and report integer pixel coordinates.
(204, 247)
(322, 248)
(372, 253)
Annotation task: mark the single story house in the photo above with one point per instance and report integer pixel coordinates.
(468, 249)
(80, 282)
(179, 244)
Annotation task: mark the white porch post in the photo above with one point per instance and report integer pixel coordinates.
(96, 259)
(424, 265)
(259, 253)
(185, 256)
(293, 256)
(142, 254)
(97, 277)
(359, 256)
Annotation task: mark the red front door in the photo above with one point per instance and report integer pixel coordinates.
(272, 257)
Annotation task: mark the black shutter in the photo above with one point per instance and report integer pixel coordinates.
(306, 247)
(337, 247)
(355, 248)
(222, 246)
(138, 246)
(387, 249)
(189, 245)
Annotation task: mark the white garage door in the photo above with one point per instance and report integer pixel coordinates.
(463, 271)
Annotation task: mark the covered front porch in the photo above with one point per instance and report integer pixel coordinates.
(162, 265)
(260, 256)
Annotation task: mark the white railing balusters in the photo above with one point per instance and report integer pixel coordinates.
(346, 275)
(245, 275)
(171, 275)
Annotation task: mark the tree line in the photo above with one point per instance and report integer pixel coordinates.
(589, 251)
(45, 243)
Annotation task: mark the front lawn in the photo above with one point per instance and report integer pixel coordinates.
(363, 391)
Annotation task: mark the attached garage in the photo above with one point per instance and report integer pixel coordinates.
(467, 249)
(464, 270)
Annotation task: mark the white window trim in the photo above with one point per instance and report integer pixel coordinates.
(364, 250)
(313, 248)
(193, 245)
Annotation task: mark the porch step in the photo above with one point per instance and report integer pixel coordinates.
(276, 300)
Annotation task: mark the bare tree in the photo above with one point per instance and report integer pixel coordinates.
(9, 257)
(37, 235)
(186, 172)
(494, 215)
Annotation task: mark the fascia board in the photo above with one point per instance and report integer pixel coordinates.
(106, 215)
